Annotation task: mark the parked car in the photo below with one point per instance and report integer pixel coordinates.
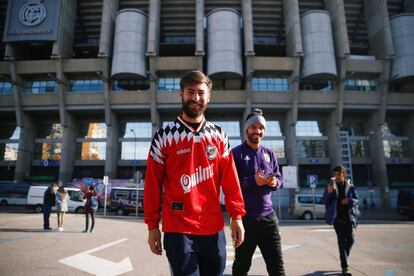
(303, 206)
(405, 202)
(35, 199)
(124, 200)
(13, 193)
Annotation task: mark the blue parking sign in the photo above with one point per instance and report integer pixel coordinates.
(312, 180)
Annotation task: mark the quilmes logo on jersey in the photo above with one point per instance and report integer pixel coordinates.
(32, 13)
(201, 174)
(211, 152)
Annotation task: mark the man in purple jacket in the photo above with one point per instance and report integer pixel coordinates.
(259, 175)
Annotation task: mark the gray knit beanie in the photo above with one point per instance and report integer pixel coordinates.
(255, 118)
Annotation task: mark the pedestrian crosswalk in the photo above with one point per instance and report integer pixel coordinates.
(230, 252)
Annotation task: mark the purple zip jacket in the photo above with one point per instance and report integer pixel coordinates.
(257, 199)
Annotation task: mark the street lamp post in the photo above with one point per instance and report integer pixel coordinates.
(135, 152)
(135, 161)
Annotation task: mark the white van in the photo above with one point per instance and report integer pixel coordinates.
(304, 208)
(13, 193)
(35, 199)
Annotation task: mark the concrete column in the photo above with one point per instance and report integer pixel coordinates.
(249, 75)
(9, 52)
(377, 120)
(104, 76)
(340, 90)
(376, 147)
(61, 91)
(335, 153)
(290, 147)
(109, 10)
(292, 26)
(292, 117)
(68, 149)
(154, 20)
(379, 30)
(112, 146)
(62, 48)
(290, 143)
(17, 83)
(248, 27)
(336, 116)
(154, 91)
(383, 84)
(409, 127)
(199, 28)
(26, 148)
(339, 29)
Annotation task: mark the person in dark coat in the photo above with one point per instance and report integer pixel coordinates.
(49, 200)
(91, 205)
(341, 202)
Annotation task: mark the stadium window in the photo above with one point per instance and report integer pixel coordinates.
(360, 85)
(311, 139)
(85, 85)
(40, 87)
(317, 85)
(171, 84)
(270, 84)
(5, 88)
(130, 85)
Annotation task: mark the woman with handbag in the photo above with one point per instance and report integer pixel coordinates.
(91, 205)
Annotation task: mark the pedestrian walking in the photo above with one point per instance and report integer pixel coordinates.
(61, 206)
(341, 202)
(188, 162)
(49, 200)
(91, 205)
(259, 176)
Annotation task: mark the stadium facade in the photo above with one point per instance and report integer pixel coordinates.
(84, 84)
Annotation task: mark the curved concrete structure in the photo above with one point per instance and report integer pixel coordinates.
(402, 29)
(129, 60)
(224, 59)
(318, 47)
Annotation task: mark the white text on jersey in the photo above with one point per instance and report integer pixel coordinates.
(201, 174)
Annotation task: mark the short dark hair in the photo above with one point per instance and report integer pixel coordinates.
(195, 77)
(340, 169)
(92, 188)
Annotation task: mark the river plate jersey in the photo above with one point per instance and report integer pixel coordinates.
(185, 170)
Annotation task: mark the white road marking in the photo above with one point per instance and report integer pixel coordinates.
(323, 230)
(98, 266)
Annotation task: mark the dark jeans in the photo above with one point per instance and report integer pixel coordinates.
(92, 213)
(345, 235)
(191, 255)
(262, 232)
(47, 209)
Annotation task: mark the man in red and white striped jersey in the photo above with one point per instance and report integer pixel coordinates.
(189, 160)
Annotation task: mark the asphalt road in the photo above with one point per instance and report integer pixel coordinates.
(119, 246)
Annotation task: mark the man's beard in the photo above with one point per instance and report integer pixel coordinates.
(255, 139)
(193, 112)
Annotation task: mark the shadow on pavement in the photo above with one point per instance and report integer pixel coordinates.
(249, 275)
(323, 273)
(25, 230)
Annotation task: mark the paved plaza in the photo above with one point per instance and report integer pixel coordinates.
(119, 246)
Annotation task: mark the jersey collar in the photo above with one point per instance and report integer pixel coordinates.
(202, 124)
